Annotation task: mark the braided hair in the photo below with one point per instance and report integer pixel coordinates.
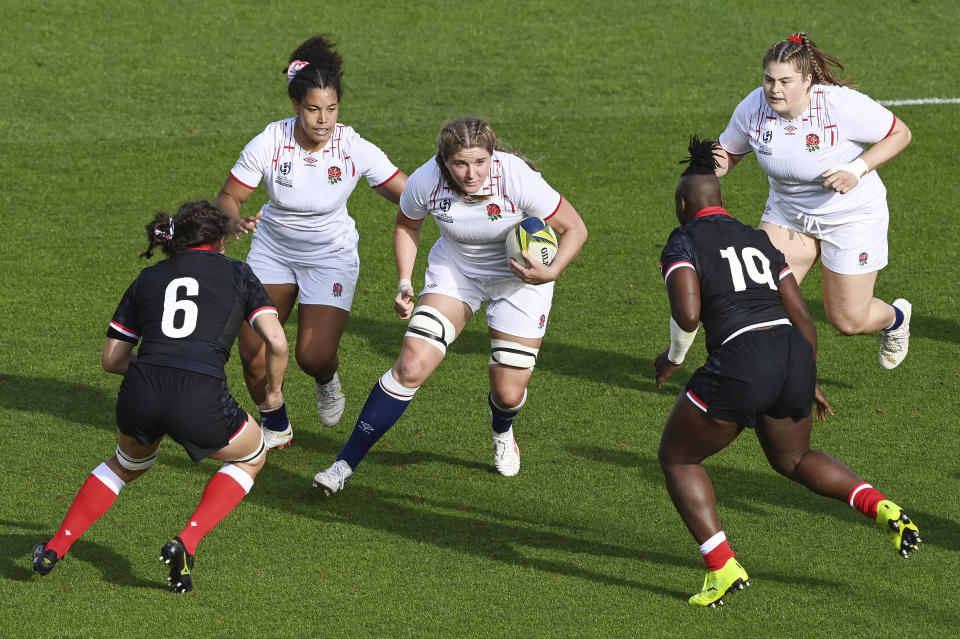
(194, 223)
(702, 159)
(808, 58)
(323, 68)
(464, 133)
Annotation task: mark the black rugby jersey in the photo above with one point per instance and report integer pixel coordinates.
(187, 309)
(739, 272)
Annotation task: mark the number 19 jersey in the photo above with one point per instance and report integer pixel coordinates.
(739, 271)
(186, 310)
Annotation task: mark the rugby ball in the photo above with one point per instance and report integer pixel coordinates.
(534, 236)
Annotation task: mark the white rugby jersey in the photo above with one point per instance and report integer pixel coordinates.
(475, 229)
(307, 211)
(835, 129)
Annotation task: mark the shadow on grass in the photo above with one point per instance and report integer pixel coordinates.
(15, 558)
(466, 529)
(747, 488)
(65, 400)
(557, 355)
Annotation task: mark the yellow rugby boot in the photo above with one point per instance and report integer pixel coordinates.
(718, 583)
(903, 532)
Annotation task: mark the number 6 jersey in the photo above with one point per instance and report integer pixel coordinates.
(187, 309)
(739, 272)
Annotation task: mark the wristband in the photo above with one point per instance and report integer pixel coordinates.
(680, 341)
(858, 167)
(404, 284)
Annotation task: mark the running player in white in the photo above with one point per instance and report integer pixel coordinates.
(810, 132)
(476, 190)
(305, 244)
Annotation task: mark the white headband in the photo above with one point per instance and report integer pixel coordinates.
(295, 66)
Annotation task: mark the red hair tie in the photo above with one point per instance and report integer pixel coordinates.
(795, 38)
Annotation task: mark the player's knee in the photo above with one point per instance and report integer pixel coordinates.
(847, 323)
(514, 354)
(129, 467)
(316, 364)
(785, 464)
(509, 398)
(411, 370)
(429, 324)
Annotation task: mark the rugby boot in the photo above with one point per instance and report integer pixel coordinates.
(895, 343)
(718, 583)
(333, 479)
(506, 455)
(43, 560)
(175, 555)
(330, 402)
(903, 532)
(277, 438)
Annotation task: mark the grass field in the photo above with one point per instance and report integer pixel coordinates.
(110, 111)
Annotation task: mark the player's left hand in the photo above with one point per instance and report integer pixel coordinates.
(535, 273)
(844, 177)
(664, 368)
(822, 405)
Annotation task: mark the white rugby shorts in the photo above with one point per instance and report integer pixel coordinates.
(848, 248)
(329, 281)
(513, 307)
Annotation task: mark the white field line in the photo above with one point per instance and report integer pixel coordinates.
(920, 101)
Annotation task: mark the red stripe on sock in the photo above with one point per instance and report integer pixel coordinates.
(719, 556)
(221, 496)
(91, 502)
(866, 500)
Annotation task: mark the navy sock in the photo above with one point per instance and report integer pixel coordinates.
(501, 420)
(323, 381)
(380, 412)
(275, 419)
(899, 319)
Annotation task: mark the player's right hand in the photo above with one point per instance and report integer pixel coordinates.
(248, 223)
(664, 368)
(403, 303)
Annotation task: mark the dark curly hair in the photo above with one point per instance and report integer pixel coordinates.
(323, 68)
(195, 223)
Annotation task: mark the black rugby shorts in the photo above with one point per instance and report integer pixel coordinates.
(194, 409)
(762, 372)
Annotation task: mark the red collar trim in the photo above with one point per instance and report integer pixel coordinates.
(711, 210)
(208, 247)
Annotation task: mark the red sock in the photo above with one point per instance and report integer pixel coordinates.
(716, 552)
(96, 496)
(865, 498)
(224, 491)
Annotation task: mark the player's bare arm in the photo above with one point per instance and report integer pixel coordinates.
(406, 239)
(846, 176)
(393, 188)
(230, 200)
(683, 288)
(800, 317)
(571, 236)
(268, 327)
(117, 355)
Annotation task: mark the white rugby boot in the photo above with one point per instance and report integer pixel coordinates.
(330, 402)
(895, 343)
(333, 479)
(506, 455)
(277, 438)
